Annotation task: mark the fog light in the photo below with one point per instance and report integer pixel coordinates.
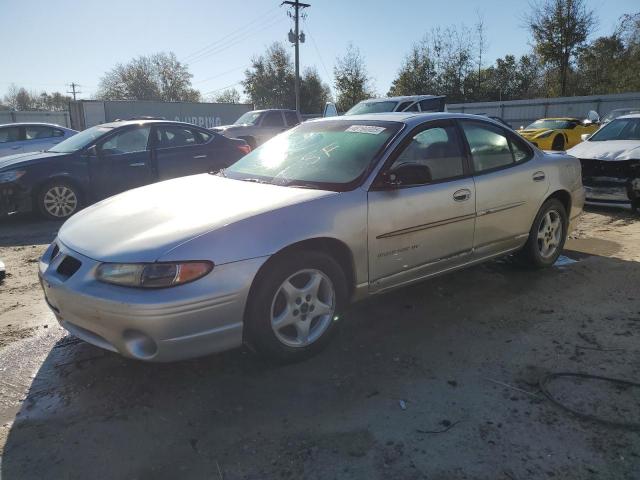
(139, 345)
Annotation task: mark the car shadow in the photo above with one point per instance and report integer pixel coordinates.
(27, 229)
(88, 413)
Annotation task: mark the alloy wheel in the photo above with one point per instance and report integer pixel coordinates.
(549, 234)
(303, 308)
(60, 201)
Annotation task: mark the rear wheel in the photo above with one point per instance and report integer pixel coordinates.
(58, 200)
(294, 308)
(547, 236)
(558, 143)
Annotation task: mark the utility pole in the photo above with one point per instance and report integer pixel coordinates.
(296, 38)
(73, 90)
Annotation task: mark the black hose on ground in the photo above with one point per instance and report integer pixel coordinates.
(543, 388)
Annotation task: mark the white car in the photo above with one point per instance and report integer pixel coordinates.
(610, 161)
(31, 137)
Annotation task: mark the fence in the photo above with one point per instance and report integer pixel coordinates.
(59, 118)
(523, 112)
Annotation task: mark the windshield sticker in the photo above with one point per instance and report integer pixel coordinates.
(373, 130)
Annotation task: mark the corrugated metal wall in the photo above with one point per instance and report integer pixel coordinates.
(58, 118)
(523, 112)
(87, 113)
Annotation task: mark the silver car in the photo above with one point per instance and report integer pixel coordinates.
(31, 137)
(270, 251)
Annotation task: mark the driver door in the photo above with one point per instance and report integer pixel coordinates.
(424, 223)
(123, 162)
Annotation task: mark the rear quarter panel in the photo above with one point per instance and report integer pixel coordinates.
(565, 173)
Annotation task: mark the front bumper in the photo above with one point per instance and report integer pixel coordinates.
(191, 320)
(612, 182)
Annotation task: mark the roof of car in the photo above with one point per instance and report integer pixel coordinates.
(631, 115)
(409, 118)
(402, 98)
(559, 118)
(39, 124)
(121, 123)
(273, 110)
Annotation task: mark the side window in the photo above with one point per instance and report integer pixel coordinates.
(402, 106)
(129, 141)
(412, 108)
(291, 118)
(58, 133)
(521, 152)
(204, 137)
(273, 119)
(432, 105)
(170, 136)
(36, 132)
(9, 134)
(436, 148)
(489, 146)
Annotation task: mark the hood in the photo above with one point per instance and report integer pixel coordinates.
(142, 224)
(24, 159)
(610, 150)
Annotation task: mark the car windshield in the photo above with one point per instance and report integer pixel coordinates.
(328, 155)
(249, 118)
(80, 140)
(372, 107)
(612, 115)
(548, 125)
(619, 129)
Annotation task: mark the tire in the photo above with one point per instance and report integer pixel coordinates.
(284, 295)
(545, 242)
(58, 200)
(558, 143)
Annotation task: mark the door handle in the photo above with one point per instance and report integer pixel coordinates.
(462, 195)
(539, 176)
(200, 156)
(137, 164)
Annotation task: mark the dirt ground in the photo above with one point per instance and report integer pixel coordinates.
(435, 381)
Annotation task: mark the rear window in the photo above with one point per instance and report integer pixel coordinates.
(372, 107)
(9, 134)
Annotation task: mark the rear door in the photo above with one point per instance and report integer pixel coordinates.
(292, 118)
(122, 161)
(418, 229)
(181, 150)
(11, 140)
(510, 186)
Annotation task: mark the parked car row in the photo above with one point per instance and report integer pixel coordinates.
(107, 159)
(31, 137)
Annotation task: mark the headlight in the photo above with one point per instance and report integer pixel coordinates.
(545, 134)
(152, 275)
(11, 176)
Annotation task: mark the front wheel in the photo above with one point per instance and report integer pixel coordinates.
(295, 306)
(547, 236)
(58, 200)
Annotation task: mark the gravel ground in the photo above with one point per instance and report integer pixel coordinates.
(435, 381)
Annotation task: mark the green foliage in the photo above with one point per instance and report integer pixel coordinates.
(269, 83)
(156, 77)
(230, 95)
(19, 99)
(351, 80)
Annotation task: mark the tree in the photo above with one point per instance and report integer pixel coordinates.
(230, 95)
(156, 77)
(352, 82)
(559, 28)
(269, 82)
(417, 75)
(314, 93)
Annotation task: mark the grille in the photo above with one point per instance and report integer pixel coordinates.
(68, 266)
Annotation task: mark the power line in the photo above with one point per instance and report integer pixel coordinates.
(234, 32)
(297, 38)
(315, 46)
(220, 75)
(234, 41)
(223, 88)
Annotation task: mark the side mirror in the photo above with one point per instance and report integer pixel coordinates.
(406, 174)
(585, 137)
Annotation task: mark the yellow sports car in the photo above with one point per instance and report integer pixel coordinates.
(557, 133)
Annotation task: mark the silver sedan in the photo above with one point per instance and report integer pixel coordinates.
(269, 251)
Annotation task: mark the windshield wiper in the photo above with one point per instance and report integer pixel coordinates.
(255, 180)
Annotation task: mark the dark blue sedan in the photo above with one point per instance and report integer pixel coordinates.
(107, 159)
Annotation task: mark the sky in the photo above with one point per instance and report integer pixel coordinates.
(47, 45)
